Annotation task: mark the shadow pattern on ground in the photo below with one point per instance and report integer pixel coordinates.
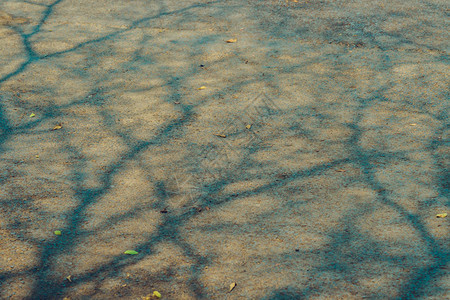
(312, 165)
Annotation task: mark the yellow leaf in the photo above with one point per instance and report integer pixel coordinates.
(69, 278)
(232, 286)
(59, 126)
(202, 88)
(248, 126)
(37, 156)
(413, 124)
(32, 115)
(220, 135)
(443, 215)
(231, 41)
(157, 294)
(57, 232)
(131, 252)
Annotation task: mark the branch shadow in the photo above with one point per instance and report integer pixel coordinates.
(259, 170)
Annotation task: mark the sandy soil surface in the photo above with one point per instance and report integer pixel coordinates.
(294, 149)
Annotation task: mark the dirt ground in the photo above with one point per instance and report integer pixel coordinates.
(288, 149)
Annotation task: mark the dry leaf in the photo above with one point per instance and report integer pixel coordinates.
(441, 215)
(202, 88)
(413, 124)
(220, 135)
(59, 126)
(37, 156)
(231, 41)
(340, 170)
(69, 278)
(248, 126)
(232, 286)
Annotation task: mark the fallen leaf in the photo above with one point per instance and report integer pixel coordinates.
(131, 252)
(248, 126)
(202, 87)
(220, 135)
(157, 294)
(164, 211)
(231, 41)
(59, 126)
(37, 156)
(69, 278)
(232, 286)
(32, 115)
(340, 170)
(413, 124)
(57, 232)
(443, 215)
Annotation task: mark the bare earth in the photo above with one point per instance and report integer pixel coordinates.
(305, 158)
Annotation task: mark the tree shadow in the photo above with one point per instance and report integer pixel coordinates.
(125, 141)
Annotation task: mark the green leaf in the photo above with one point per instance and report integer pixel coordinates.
(157, 294)
(57, 232)
(131, 252)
